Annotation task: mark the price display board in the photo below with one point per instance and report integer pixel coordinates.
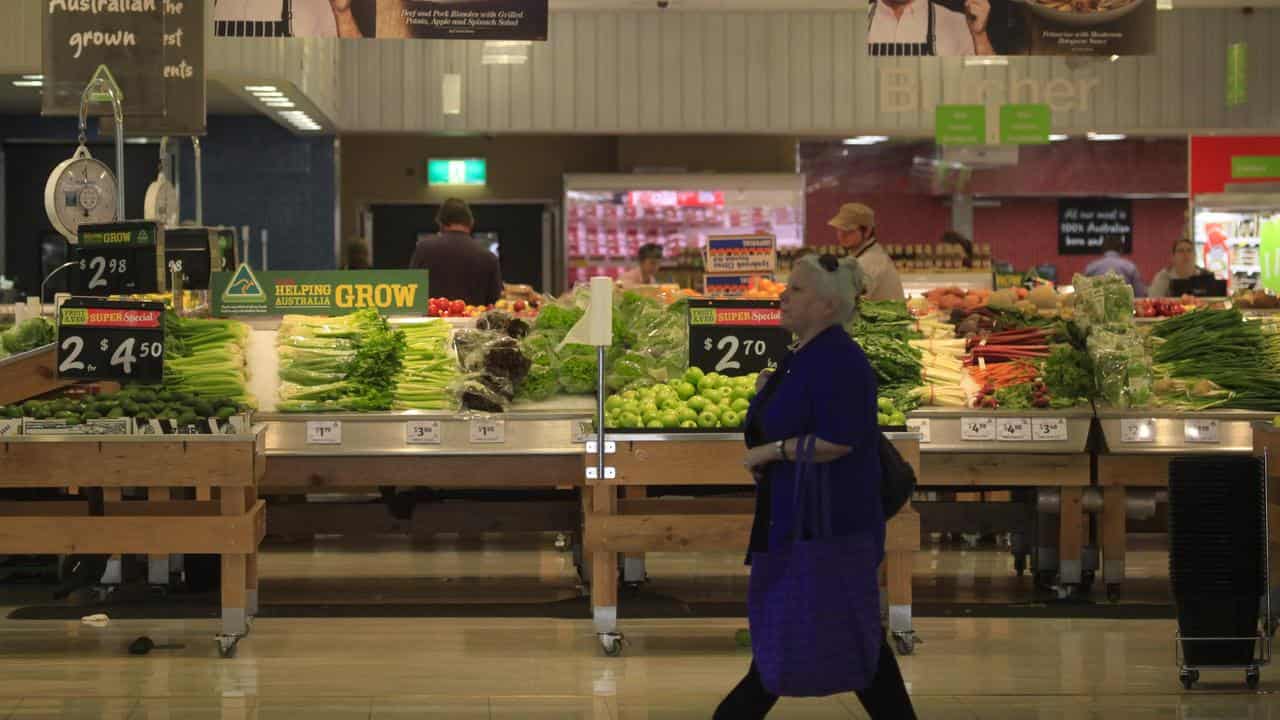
(190, 252)
(111, 340)
(736, 337)
(123, 258)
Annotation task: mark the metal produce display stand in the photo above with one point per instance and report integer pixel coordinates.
(1039, 459)
(225, 517)
(636, 523)
(1133, 464)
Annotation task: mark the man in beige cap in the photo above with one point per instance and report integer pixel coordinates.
(855, 226)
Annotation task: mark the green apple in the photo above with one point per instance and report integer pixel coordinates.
(685, 390)
(610, 420)
(648, 407)
(629, 406)
(708, 419)
(740, 405)
(689, 424)
(707, 384)
(631, 395)
(740, 393)
(884, 404)
(614, 403)
(697, 403)
(730, 419)
(693, 375)
(654, 424)
(670, 403)
(629, 420)
(882, 419)
(687, 413)
(670, 418)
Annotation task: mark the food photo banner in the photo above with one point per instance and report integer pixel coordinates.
(383, 19)
(962, 28)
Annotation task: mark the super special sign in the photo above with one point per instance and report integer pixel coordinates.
(333, 292)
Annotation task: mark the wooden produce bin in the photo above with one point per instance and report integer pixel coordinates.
(226, 517)
(635, 524)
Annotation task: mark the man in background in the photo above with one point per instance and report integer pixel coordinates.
(460, 267)
(1113, 261)
(855, 226)
(649, 260)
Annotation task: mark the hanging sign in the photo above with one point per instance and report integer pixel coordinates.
(393, 19)
(736, 337)
(740, 254)
(1024, 124)
(1085, 223)
(190, 252)
(960, 125)
(328, 292)
(124, 258)
(128, 36)
(110, 340)
(1237, 74)
(1269, 253)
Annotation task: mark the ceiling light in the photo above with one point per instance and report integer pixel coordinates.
(986, 61)
(28, 83)
(32, 77)
(507, 43)
(1057, 137)
(270, 96)
(1106, 137)
(279, 103)
(260, 88)
(503, 59)
(866, 140)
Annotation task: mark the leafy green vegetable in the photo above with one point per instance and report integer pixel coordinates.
(27, 335)
(1015, 397)
(1068, 373)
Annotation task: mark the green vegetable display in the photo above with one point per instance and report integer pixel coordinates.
(27, 335)
(361, 350)
(138, 402)
(1068, 373)
(1222, 361)
(206, 357)
(429, 368)
(693, 401)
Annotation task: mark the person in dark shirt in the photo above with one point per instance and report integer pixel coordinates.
(460, 267)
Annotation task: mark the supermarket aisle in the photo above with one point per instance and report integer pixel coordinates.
(322, 669)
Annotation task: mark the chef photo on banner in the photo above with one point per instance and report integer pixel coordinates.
(913, 28)
(293, 18)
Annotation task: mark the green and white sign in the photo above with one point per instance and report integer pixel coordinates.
(1024, 124)
(311, 292)
(1255, 167)
(960, 125)
(1237, 74)
(1269, 254)
(457, 171)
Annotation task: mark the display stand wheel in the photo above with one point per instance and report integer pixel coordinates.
(1046, 580)
(611, 643)
(905, 642)
(562, 542)
(1251, 677)
(1189, 678)
(227, 645)
(1113, 592)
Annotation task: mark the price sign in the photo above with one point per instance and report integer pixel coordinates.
(582, 431)
(190, 252)
(1013, 429)
(127, 270)
(488, 430)
(736, 337)
(977, 428)
(110, 340)
(324, 432)
(1201, 431)
(922, 426)
(422, 432)
(1135, 430)
(1049, 429)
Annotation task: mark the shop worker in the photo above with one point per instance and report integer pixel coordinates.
(1113, 262)
(855, 226)
(648, 261)
(286, 18)
(1182, 268)
(459, 266)
(910, 28)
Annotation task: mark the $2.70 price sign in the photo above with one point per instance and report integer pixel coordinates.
(736, 337)
(111, 340)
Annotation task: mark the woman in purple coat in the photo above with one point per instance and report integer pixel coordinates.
(824, 387)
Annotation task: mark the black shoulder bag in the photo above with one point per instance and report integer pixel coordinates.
(897, 478)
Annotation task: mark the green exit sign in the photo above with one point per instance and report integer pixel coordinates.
(457, 171)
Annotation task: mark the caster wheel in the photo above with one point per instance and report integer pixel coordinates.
(562, 542)
(905, 644)
(1113, 593)
(1045, 579)
(611, 643)
(1251, 678)
(227, 648)
(1189, 678)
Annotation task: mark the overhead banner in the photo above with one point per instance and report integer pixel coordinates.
(393, 19)
(962, 28)
(318, 292)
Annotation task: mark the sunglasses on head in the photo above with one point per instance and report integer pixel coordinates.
(829, 262)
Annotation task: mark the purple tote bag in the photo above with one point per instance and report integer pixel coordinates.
(814, 604)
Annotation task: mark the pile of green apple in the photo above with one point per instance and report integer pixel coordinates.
(888, 415)
(696, 400)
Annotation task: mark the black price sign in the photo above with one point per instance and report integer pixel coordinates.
(736, 337)
(111, 340)
(189, 252)
(119, 259)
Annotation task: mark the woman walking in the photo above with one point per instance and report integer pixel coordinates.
(818, 536)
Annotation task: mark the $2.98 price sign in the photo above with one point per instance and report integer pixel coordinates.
(736, 337)
(111, 340)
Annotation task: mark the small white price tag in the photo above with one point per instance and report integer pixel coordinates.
(920, 425)
(582, 431)
(422, 432)
(1137, 430)
(10, 427)
(324, 432)
(1201, 431)
(977, 428)
(488, 430)
(1049, 429)
(1013, 429)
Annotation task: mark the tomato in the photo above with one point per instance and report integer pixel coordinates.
(457, 307)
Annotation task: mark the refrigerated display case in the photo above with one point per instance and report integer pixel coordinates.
(608, 218)
(1228, 235)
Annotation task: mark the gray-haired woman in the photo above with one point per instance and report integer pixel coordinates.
(823, 391)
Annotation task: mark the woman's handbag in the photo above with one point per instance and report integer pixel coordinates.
(897, 478)
(814, 603)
